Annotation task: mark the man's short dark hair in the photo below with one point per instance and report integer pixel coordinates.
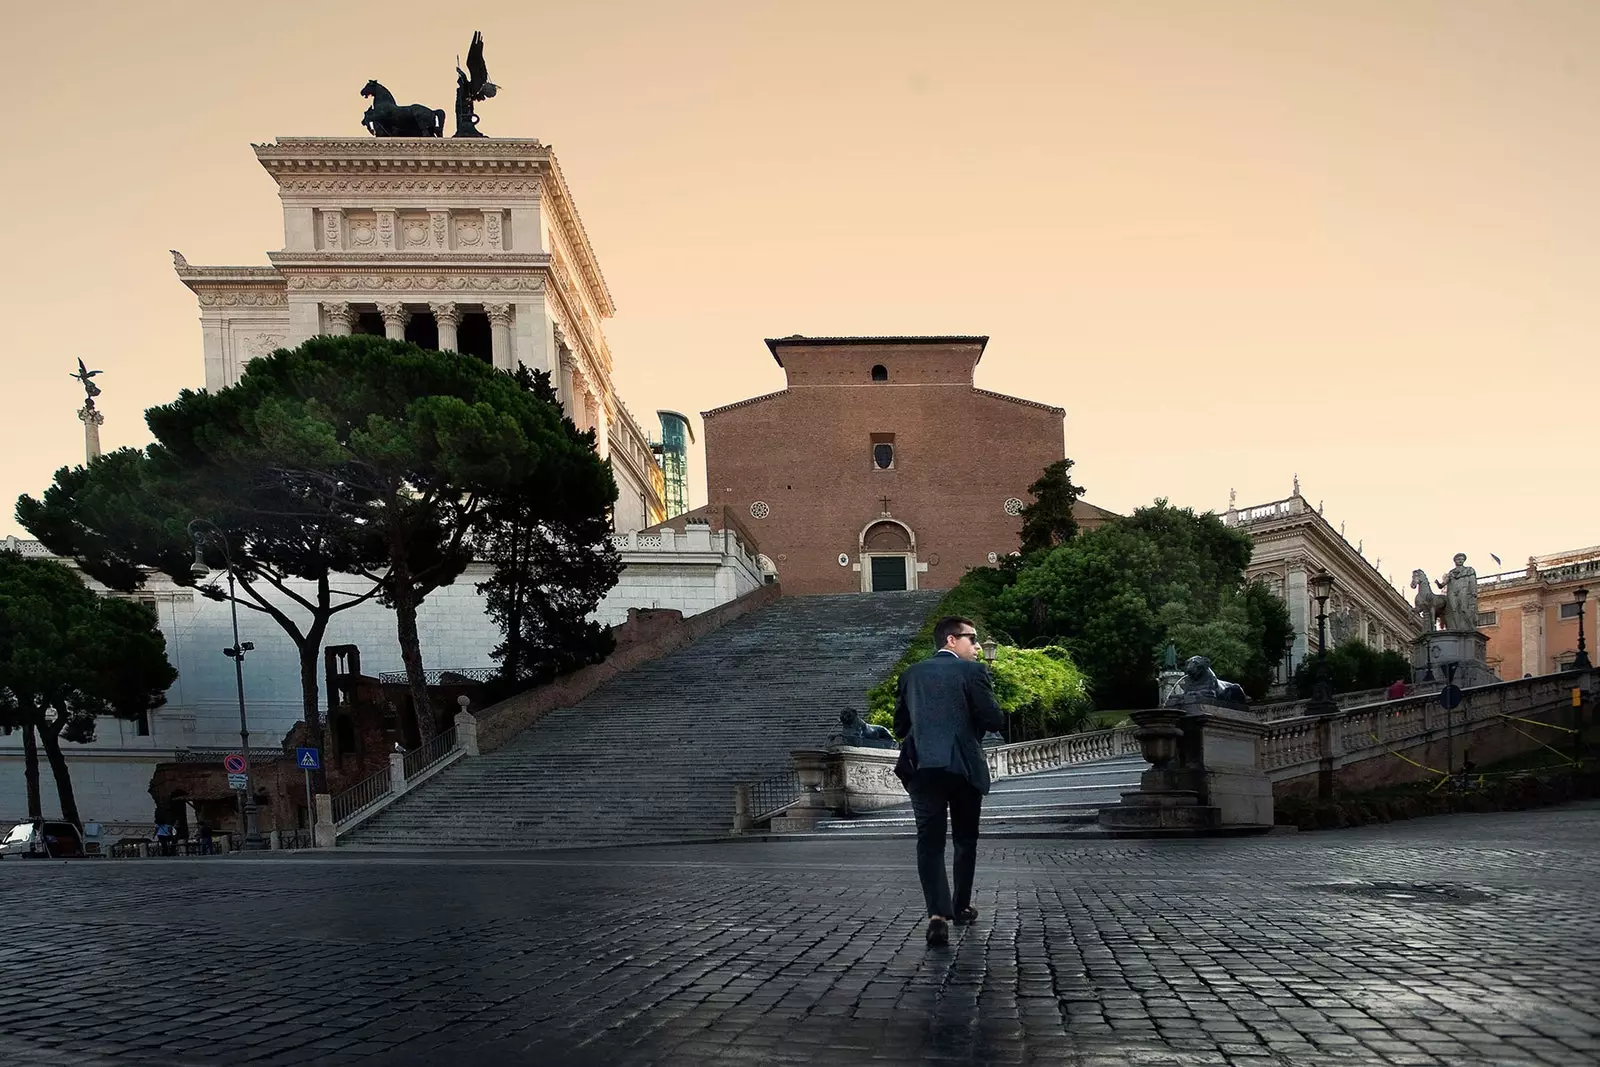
(947, 626)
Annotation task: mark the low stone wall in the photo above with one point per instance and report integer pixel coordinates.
(652, 635)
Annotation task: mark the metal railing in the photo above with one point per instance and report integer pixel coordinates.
(215, 755)
(420, 759)
(442, 676)
(772, 795)
(362, 795)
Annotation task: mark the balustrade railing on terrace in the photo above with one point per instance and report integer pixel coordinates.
(1297, 746)
(1027, 757)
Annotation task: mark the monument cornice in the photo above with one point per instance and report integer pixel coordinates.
(431, 164)
(345, 259)
(227, 275)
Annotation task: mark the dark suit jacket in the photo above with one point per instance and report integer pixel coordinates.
(945, 705)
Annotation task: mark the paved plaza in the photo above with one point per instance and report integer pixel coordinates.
(1456, 940)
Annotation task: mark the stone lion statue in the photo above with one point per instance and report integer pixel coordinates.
(858, 733)
(1200, 681)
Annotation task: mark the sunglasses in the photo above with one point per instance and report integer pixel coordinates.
(973, 636)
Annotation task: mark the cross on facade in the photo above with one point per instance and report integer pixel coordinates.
(885, 502)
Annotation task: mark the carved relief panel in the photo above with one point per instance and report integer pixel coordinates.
(361, 231)
(330, 235)
(469, 232)
(414, 230)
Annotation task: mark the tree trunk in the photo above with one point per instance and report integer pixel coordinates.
(403, 596)
(310, 688)
(518, 597)
(30, 771)
(50, 736)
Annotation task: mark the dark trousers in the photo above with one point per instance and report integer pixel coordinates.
(933, 792)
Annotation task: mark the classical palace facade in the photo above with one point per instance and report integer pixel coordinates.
(1531, 616)
(473, 245)
(1293, 543)
(880, 466)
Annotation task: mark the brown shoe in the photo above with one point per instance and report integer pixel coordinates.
(938, 932)
(966, 916)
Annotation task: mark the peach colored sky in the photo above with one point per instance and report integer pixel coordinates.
(1235, 240)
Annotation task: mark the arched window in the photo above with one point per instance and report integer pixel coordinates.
(880, 373)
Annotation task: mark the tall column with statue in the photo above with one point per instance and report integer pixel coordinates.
(1450, 648)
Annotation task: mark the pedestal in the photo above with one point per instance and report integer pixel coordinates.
(1205, 775)
(1465, 649)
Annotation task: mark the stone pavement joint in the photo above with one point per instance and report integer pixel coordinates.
(1464, 940)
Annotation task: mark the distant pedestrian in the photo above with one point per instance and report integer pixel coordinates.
(944, 706)
(164, 838)
(207, 846)
(1397, 690)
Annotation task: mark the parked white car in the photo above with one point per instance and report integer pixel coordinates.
(42, 839)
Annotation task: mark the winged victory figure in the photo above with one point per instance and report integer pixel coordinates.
(90, 390)
(472, 86)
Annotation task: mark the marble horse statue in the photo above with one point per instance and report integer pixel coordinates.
(385, 118)
(1428, 606)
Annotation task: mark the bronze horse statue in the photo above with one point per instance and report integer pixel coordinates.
(385, 118)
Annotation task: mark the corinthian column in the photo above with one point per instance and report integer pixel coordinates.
(500, 334)
(92, 421)
(395, 317)
(448, 316)
(341, 319)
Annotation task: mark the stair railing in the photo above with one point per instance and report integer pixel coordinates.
(405, 772)
(1047, 753)
(758, 802)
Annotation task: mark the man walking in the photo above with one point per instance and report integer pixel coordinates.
(944, 705)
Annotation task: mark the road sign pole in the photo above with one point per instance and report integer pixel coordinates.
(311, 817)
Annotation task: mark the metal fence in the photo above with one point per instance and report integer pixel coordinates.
(442, 676)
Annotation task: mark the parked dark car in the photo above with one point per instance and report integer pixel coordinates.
(40, 839)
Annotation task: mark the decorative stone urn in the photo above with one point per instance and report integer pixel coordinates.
(810, 767)
(1159, 733)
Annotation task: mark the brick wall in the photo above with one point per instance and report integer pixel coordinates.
(806, 453)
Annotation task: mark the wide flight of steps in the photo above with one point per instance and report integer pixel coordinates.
(654, 754)
(1046, 802)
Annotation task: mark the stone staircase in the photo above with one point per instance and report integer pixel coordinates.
(654, 754)
(1046, 802)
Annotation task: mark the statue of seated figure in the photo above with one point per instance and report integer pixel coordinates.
(1200, 683)
(858, 733)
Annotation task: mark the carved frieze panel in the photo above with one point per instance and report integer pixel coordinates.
(521, 187)
(252, 297)
(491, 224)
(361, 231)
(332, 228)
(469, 233)
(414, 231)
(457, 283)
(386, 220)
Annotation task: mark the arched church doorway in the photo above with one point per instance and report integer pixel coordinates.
(888, 557)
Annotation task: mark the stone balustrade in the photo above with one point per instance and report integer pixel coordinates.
(1311, 748)
(1028, 757)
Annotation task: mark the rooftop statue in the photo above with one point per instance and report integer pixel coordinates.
(385, 118)
(471, 87)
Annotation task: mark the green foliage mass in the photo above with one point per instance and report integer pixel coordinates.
(67, 657)
(1353, 666)
(1049, 520)
(1113, 597)
(1041, 686)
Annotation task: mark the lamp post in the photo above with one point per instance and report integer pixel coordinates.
(990, 648)
(1581, 661)
(198, 532)
(1322, 689)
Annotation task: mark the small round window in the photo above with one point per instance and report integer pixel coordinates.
(760, 510)
(1013, 506)
(880, 373)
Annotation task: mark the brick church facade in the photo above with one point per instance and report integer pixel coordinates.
(881, 466)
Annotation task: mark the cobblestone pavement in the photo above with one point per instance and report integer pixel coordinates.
(1467, 940)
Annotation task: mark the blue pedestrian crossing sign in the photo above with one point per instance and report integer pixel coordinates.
(307, 759)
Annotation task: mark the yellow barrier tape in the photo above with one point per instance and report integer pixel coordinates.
(1541, 744)
(1536, 722)
(1408, 759)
